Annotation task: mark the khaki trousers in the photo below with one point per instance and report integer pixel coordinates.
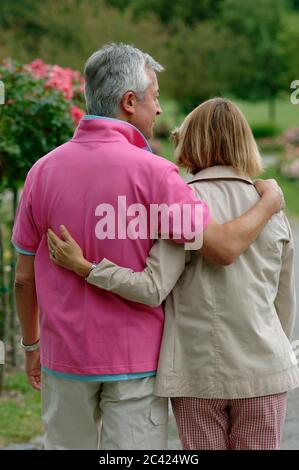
(106, 415)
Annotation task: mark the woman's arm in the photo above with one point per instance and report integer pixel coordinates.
(285, 302)
(164, 265)
(66, 252)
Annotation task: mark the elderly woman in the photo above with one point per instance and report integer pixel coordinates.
(226, 360)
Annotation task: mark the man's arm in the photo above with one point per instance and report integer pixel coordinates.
(223, 243)
(28, 314)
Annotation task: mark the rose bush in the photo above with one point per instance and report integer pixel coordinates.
(43, 103)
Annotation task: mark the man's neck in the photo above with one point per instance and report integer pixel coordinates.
(123, 117)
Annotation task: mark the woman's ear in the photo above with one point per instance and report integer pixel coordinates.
(128, 102)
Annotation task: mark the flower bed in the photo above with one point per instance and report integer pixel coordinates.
(43, 103)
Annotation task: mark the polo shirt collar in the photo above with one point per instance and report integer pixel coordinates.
(105, 129)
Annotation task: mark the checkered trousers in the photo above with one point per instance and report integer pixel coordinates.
(235, 424)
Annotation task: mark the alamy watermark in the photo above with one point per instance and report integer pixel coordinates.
(2, 92)
(138, 221)
(295, 95)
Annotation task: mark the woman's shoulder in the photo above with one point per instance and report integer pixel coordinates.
(227, 198)
(231, 198)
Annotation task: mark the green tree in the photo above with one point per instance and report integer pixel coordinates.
(22, 17)
(170, 12)
(294, 4)
(289, 39)
(196, 64)
(257, 73)
(71, 30)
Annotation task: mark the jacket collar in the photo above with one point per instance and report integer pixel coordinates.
(219, 172)
(104, 129)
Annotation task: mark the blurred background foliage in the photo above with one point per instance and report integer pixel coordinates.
(247, 49)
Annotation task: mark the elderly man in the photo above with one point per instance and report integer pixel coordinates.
(99, 352)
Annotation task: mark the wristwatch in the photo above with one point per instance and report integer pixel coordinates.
(29, 347)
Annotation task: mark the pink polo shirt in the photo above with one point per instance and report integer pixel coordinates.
(86, 330)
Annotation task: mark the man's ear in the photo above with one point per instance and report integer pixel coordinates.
(128, 102)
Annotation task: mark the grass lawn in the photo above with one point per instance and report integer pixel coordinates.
(290, 189)
(287, 114)
(20, 418)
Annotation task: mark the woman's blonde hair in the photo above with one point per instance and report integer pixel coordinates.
(217, 133)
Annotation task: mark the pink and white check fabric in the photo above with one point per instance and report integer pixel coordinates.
(234, 424)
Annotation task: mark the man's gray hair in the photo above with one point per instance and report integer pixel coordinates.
(112, 71)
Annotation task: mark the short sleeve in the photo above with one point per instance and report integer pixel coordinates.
(188, 215)
(25, 236)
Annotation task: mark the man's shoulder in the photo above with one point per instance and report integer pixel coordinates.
(44, 160)
(153, 160)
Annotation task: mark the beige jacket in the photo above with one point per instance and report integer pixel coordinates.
(227, 329)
